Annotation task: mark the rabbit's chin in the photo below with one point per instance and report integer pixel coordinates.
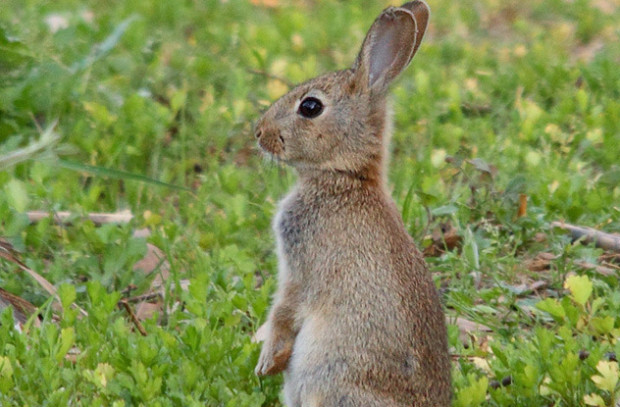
(302, 165)
(298, 165)
(279, 158)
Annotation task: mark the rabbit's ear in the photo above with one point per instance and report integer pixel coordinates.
(421, 13)
(390, 44)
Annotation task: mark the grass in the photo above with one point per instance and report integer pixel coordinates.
(521, 98)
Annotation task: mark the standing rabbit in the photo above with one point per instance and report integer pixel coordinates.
(356, 320)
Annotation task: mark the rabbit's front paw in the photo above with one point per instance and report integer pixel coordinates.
(274, 356)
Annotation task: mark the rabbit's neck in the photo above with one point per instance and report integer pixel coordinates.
(336, 182)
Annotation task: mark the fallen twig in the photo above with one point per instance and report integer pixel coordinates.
(158, 295)
(610, 259)
(133, 317)
(602, 270)
(603, 240)
(271, 76)
(63, 217)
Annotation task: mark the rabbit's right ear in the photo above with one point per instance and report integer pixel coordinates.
(390, 44)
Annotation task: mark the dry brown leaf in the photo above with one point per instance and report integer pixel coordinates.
(541, 262)
(540, 237)
(467, 326)
(443, 238)
(538, 284)
(482, 364)
(528, 287)
(154, 261)
(9, 253)
(470, 331)
(146, 310)
(22, 309)
(73, 354)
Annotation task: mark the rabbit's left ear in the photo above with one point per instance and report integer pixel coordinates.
(390, 44)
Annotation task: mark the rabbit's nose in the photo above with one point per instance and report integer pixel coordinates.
(258, 133)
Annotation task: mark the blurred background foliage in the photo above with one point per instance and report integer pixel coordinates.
(100, 101)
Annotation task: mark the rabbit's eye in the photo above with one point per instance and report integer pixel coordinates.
(310, 107)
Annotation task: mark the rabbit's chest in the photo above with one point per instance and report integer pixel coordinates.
(300, 230)
(295, 230)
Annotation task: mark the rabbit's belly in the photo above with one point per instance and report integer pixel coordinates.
(328, 361)
(310, 371)
(310, 345)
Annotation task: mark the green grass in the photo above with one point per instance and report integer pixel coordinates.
(168, 91)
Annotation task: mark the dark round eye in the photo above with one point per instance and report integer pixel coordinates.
(310, 107)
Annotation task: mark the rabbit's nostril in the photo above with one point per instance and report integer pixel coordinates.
(281, 139)
(258, 134)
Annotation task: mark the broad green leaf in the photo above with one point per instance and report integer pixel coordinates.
(100, 376)
(594, 399)
(499, 354)
(580, 288)
(426, 198)
(530, 375)
(473, 394)
(552, 306)
(17, 195)
(67, 295)
(6, 369)
(67, 339)
(103, 373)
(603, 325)
(608, 376)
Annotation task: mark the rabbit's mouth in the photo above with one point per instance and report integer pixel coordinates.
(271, 143)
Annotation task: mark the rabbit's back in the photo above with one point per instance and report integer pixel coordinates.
(371, 326)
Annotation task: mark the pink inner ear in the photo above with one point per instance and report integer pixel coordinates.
(391, 48)
(384, 49)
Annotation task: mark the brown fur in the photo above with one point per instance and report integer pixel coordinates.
(356, 320)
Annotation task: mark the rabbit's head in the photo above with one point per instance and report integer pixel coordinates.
(337, 122)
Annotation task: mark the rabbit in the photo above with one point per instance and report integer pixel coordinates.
(356, 319)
